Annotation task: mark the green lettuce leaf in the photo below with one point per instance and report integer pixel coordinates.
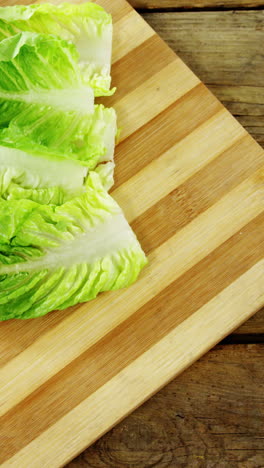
(44, 112)
(106, 174)
(38, 68)
(54, 257)
(46, 180)
(87, 26)
(46, 131)
(41, 179)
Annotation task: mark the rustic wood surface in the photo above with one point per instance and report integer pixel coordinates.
(254, 326)
(196, 4)
(212, 414)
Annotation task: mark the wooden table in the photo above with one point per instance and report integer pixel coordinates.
(212, 415)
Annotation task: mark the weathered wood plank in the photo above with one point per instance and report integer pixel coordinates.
(211, 415)
(196, 4)
(254, 326)
(225, 49)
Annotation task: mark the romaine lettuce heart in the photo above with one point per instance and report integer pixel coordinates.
(54, 257)
(42, 69)
(45, 180)
(43, 130)
(87, 26)
(41, 179)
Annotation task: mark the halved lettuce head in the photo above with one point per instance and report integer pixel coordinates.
(87, 26)
(54, 257)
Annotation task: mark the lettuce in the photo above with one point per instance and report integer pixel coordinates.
(42, 179)
(45, 113)
(38, 68)
(45, 180)
(87, 26)
(42, 130)
(43, 148)
(54, 257)
(63, 239)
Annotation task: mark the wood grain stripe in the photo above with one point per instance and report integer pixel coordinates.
(22, 333)
(118, 8)
(124, 37)
(175, 166)
(154, 96)
(133, 70)
(197, 194)
(181, 206)
(234, 304)
(135, 335)
(81, 330)
(163, 132)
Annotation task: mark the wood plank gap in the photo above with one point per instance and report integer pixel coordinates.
(196, 5)
(248, 338)
(198, 9)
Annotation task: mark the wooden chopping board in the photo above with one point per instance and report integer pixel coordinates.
(191, 182)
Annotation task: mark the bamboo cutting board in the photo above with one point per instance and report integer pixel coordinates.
(190, 180)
